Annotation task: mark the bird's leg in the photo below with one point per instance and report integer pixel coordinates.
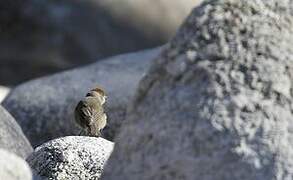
(84, 132)
(80, 132)
(99, 134)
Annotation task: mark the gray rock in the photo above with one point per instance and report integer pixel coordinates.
(44, 107)
(72, 157)
(12, 137)
(13, 167)
(217, 103)
(42, 37)
(3, 92)
(143, 15)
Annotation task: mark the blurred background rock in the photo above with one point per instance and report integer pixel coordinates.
(38, 37)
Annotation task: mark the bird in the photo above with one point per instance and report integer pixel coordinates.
(89, 113)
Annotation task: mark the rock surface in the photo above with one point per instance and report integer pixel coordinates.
(3, 92)
(143, 15)
(13, 167)
(44, 107)
(11, 136)
(71, 157)
(217, 103)
(41, 37)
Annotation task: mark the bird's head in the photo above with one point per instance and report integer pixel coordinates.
(98, 93)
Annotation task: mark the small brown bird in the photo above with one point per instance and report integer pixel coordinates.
(89, 113)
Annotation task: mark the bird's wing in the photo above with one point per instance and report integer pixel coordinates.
(85, 112)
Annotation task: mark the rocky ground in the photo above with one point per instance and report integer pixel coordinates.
(214, 103)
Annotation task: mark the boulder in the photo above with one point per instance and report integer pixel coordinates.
(143, 15)
(13, 167)
(71, 157)
(217, 103)
(41, 37)
(12, 137)
(44, 108)
(3, 92)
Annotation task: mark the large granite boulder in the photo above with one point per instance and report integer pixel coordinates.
(12, 137)
(13, 167)
(217, 103)
(71, 157)
(41, 37)
(44, 108)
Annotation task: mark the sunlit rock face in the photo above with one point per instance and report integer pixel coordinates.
(217, 102)
(71, 157)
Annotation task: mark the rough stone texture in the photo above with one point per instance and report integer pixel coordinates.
(11, 135)
(3, 92)
(44, 107)
(38, 37)
(217, 103)
(72, 157)
(13, 167)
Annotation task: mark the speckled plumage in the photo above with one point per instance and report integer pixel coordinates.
(89, 114)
